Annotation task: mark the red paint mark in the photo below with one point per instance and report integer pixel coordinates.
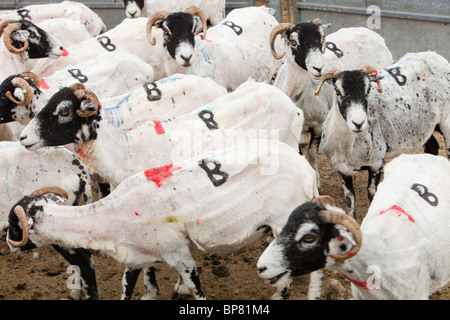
(136, 213)
(158, 127)
(340, 238)
(201, 35)
(198, 219)
(44, 84)
(65, 53)
(399, 210)
(158, 175)
(81, 153)
(131, 157)
(361, 284)
(374, 73)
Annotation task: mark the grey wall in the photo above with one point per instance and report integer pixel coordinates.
(407, 25)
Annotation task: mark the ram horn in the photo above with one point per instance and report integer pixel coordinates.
(324, 44)
(348, 222)
(323, 200)
(78, 86)
(193, 10)
(31, 75)
(330, 74)
(282, 27)
(23, 222)
(159, 15)
(50, 189)
(23, 84)
(10, 28)
(4, 24)
(91, 98)
(370, 70)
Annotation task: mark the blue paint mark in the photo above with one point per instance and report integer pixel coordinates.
(173, 100)
(404, 62)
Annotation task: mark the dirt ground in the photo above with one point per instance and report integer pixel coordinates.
(41, 274)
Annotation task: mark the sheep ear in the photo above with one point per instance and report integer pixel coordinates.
(325, 26)
(87, 109)
(20, 35)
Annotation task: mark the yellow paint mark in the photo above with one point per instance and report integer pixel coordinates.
(171, 219)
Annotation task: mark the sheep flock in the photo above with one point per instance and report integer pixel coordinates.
(162, 158)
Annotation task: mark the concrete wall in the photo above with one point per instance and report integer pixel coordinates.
(407, 25)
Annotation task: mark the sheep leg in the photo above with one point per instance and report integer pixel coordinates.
(431, 146)
(188, 278)
(313, 151)
(82, 258)
(151, 287)
(349, 193)
(315, 285)
(374, 180)
(129, 280)
(283, 292)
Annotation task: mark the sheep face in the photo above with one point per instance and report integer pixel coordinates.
(65, 119)
(352, 90)
(19, 110)
(179, 31)
(305, 43)
(301, 247)
(133, 8)
(40, 43)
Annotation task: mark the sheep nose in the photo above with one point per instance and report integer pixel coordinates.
(317, 69)
(22, 138)
(187, 59)
(358, 125)
(132, 14)
(262, 269)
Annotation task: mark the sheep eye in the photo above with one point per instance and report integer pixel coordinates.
(32, 35)
(308, 238)
(368, 90)
(294, 43)
(338, 93)
(64, 113)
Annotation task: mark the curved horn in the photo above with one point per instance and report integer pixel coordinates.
(323, 200)
(159, 15)
(330, 74)
(282, 27)
(10, 28)
(91, 98)
(348, 222)
(23, 222)
(4, 24)
(369, 70)
(78, 86)
(31, 75)
(324, 44)
(50, 189)
(193, 10)
(19, 82)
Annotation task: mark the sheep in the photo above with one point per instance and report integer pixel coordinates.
(238, 201)
(128, 36)
(22, 172)
(214, 10)
(364, 129)
(23, 40)
(235, 50)
(167, 97)
(72, 116)
(66, 9)
(404, 252)
(308, 54)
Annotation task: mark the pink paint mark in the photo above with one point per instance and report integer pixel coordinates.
(361, 284)
(158, 127)
(158, 175)
(198, 219)
(65, 53)
(400, 211)
(44, 84)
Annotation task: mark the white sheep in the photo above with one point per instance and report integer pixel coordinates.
(230, 53)
(309, 53)
(238, 201)
(74, 10)
(22, 172)
(22, 41)
(404, 252)
(72, 116)
(129, 36)
(364, 129)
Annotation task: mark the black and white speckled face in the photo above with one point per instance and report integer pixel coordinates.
(41, 44)
(306, 44)
(58, 122)
(133, 8)
(352, 89)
